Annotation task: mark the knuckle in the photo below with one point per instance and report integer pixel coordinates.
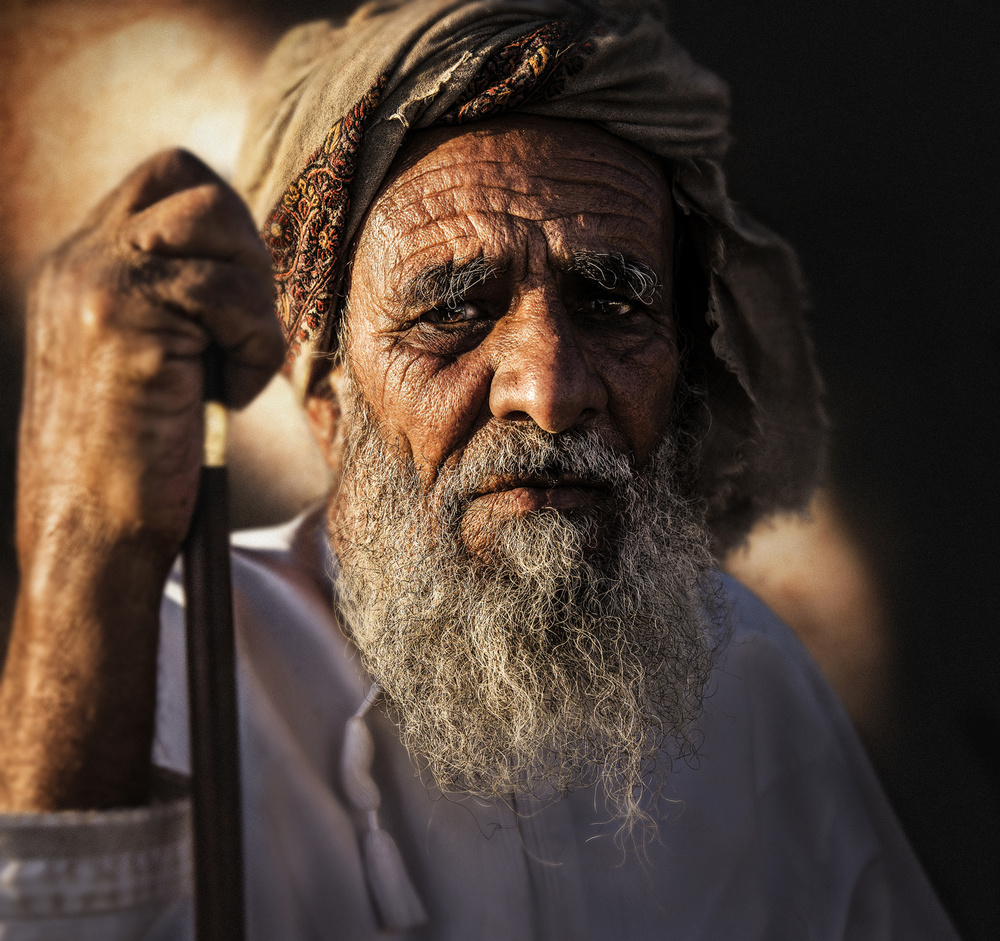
(222, 201)
(146, 365)
(70, 281)
(217, 195)
(99, 307)
(176, 162)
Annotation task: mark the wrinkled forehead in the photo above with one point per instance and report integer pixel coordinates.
(484, 188)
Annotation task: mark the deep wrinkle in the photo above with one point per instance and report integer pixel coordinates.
(558, 330)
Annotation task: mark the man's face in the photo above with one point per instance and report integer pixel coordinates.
(518, 272)
(521, 562)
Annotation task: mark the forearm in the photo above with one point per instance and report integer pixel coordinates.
(78, 697)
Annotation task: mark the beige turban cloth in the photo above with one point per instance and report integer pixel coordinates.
(338, 100)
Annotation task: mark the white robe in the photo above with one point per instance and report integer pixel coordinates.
(777, 830)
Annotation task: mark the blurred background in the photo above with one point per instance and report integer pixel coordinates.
(866, 134)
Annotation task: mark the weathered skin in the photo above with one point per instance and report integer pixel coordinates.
(108, 467)
(538, 342)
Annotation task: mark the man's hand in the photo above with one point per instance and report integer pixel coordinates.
(108, 466)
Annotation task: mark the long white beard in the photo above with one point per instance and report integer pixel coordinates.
(573, 652)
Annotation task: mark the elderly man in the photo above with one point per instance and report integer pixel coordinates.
(496, 689)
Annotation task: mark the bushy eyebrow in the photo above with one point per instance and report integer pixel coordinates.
(445, 284)
(622, 274)
(448, 283)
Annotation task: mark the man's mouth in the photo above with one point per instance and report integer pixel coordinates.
(523, 493)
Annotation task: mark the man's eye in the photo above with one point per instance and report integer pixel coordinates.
(462, 312)
(611, 306)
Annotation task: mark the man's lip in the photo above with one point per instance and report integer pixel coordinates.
(539, 482)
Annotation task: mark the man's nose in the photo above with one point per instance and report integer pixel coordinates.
(542, 373)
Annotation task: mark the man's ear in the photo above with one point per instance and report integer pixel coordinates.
(324, 414)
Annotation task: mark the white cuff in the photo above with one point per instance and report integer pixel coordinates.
(77, 864)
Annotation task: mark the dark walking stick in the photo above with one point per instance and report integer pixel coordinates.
(218, 850)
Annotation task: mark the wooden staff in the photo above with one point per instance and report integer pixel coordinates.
(218, 849)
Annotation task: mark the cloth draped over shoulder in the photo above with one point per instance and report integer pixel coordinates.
(337, 101)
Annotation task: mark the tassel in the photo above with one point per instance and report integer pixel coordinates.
(355, 762)
(397, 903)
(396, 900)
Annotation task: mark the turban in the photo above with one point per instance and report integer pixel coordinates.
(337, 101)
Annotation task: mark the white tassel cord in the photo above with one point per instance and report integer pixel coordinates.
(397, 903)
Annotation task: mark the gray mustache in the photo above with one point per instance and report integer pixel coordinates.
(504, 450)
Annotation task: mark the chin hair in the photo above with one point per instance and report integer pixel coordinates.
(572, 652)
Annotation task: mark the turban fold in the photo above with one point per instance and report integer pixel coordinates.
(337, 101)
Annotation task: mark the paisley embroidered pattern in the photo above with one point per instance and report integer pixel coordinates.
(535, 66)
(304, 231)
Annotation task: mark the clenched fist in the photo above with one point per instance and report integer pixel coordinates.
(109, 454)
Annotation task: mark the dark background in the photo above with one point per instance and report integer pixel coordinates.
(866, 134)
